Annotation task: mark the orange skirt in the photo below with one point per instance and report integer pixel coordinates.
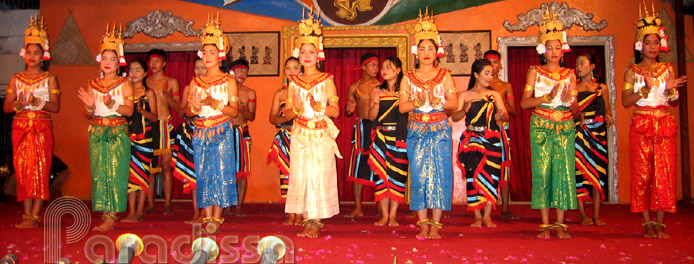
(32, 142)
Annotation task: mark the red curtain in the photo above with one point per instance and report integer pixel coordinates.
(519, 61)
(180, 65)
(341, 63)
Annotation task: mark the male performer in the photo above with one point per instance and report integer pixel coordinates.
(167, 91)
(242, 137)
(358, 97)
(506, 91)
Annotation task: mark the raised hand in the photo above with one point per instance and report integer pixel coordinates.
(376, 96)
(195, 102)
(566, 94)
(554, 92)
(316, 105)
(675, 83)
(87, 98)
(108, 100)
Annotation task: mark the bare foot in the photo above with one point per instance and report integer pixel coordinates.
(130, 219)
(476, 223)
(649, 231)
(106, 225)
(212, 228)
(237, 212)
(299, 219)
(150, 210)
(586, 221)
(488, 222)
(304, 233)
(599, 222)
(28, 223)
(509, 215)
(227, 211)
(168, 210)
(290, 220)
(356, 213)
(423, 232)
(434, 233)
(382, 221)
(660, 231)
(313, 231)
(561, 233)
(544, 231)
(194, 220)
(392, 222)
(544, 234)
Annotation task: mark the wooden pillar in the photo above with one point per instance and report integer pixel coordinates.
(684, 115)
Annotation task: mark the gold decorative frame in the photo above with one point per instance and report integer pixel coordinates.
(391, 36)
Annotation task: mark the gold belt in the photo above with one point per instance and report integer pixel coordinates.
(33, 115)
(312, 123)
(654, 112)
(109, 121)
(553, 114)
(211, 121)
(428, 117)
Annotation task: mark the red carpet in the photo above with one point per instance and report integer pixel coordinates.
(358, 241)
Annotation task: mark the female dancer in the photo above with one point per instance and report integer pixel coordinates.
(279, 152)
(33, 95)
(550, 90)
(107, 101)
(651, 87)
(213, 100)
(591, 138)
(142, 148)
(182, 161)
(426, 92)
(480, 149)
(313, 101)
(388, 155)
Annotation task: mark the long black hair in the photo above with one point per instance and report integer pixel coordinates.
(398, 64)
(477, 67)
(638, 56)
(592, 60)
(436, 48)
(145, 68)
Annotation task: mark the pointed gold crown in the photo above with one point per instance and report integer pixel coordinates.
(551, 27)
(426, 29)
(113, 40)
(310, 30)
(213, 34)
(648, 22)
(36, 33)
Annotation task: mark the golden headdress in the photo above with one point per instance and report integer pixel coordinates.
(311, 31)
(36, 34)
(113, 40)
(426, 29)
(551, 28)
(649, 23)
(213, 34)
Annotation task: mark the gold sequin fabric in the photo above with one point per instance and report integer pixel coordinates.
(109, 153)
(652, 154)
(553, 162)
(32, 141)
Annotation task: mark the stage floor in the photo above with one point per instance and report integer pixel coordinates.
(345, 240)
